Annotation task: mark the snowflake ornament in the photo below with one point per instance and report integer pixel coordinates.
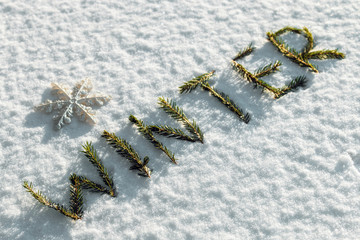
(77, 101)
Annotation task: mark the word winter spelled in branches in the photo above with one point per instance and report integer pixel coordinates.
(75, 211)
(79, 102)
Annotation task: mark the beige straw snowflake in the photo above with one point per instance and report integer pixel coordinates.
(76, 101)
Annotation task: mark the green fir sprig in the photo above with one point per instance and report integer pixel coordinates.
(222, 97)
(244, 52)
(193, 83)
(264, 71)
(92, 156)
(75, 210)
(178, 114)
(325, 54)
(253, 79)
(267, 69)
(296, 83)
(168, 131)
(125, 149)
(225, 99)
(44, 200)
(92, 186)
(301, 58)
(76, 197)
(144, 130)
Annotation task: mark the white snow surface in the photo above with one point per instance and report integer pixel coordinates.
(293, 172)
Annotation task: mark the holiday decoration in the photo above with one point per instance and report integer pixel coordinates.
(76, 101)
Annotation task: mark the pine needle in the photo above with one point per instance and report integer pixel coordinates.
(92, 156)
(178, 114)
(223, 98)
(126, 150)
(244, 52)
(45, 201)
(193, 83)
(144, 130)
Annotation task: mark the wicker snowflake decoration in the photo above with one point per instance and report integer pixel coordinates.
(76, 101)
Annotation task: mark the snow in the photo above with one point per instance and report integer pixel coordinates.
(291, 173)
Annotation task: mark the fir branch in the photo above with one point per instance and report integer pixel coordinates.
(287, 29)
(245, 117)
(92, 156)
(244, 72)
(126, 150)
(193, 83)
(277, 92)
(178, 114)
(170, 132)
(268, 69)
(76, 198)
(296, 83)
(77, 183)
(144, 130)
(45, 201)
(93, 186)
(304, 32)
(253, 79)
(244, 52)
(289, 52)
(310, 40)
(303, 57)
(325, 54)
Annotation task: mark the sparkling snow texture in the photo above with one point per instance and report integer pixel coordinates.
(293, 172)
